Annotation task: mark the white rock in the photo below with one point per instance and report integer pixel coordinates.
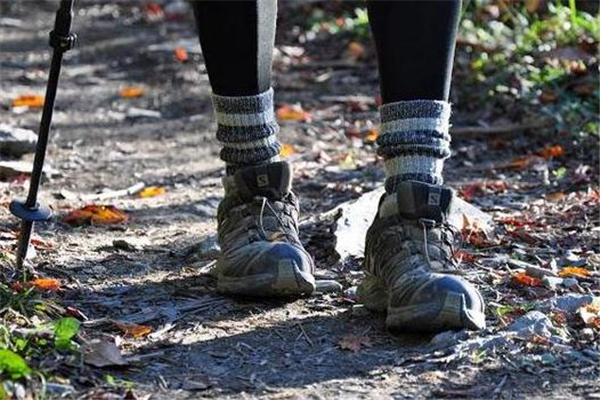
(16, 141)
(532, 323)
(568, 303)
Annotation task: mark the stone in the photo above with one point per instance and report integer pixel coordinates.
(328, 286)
(570, 282)
(16, 141)
(552, 282)
(532, 323)
(569, 303)
(134, 113)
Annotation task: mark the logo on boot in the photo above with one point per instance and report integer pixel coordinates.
(262, 180)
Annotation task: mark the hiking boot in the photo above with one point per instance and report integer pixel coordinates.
(409, 265)
(258, 234)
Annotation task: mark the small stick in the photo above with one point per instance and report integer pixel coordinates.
(111, 194)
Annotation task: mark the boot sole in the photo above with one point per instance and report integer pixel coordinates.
(449, 314)
(289, 281)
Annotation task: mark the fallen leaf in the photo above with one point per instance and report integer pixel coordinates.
(293, 113)
(547, 97)
(41, 244)
(517, 223)
(524, 236)
(181, 55)
(574, 271)
(464, 256)
(526, 280)
(356, 51)
(96, 215)
(525, 161)
(552, 152)
(473, 233)
(472, 190)
(102, 354)
(286, 150)
(29, 100)
(590, 314)
(372, 135)
(151, 191)
(354, 342)
(130, 92)
(556, 196)
(49, 284)
(135, 330)
(154, 11)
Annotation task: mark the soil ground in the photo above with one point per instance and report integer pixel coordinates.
(206, 345)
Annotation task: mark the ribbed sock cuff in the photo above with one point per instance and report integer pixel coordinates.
(414, 141)
(247, 129)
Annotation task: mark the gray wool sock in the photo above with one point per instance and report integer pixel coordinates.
(414, 141)
(247, 129)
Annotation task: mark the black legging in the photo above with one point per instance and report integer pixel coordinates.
(415, 42)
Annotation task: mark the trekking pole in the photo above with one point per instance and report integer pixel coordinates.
(29, 211)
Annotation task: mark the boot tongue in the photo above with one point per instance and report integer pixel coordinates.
(417, 200)
(272, 181)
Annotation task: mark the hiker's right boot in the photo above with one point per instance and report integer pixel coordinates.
(261, 254)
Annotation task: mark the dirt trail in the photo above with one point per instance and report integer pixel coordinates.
(208, 345)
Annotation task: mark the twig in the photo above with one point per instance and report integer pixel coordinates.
(498, 388)
(111, 194)
(310, 342)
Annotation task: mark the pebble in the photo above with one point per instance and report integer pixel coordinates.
(570, 282)
(16, 141)
(134, 113)
(552, 282)
(351, 293)
(328, 286)
(569, 303)
(532, 323)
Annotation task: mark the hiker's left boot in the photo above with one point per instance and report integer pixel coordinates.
(409, 265)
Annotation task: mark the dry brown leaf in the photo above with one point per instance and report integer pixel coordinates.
(523, 279)
(49, 284)
(289, 112)
(590, 314)
(96, 215)
(356, 51)
(574, 271)
(135, 330)
(29, 100)
(354, 342)
(151, 191)
(130, 92)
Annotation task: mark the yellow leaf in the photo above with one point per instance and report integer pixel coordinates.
(372, 135)
(151, 191)
(96, 215)
(29, 100)
(135, 330)
(574, 271)
(287, 150)
(293, 113)
(130, 92)
(49, 284)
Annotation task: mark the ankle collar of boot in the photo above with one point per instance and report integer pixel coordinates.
(273, 181)
(418, 201)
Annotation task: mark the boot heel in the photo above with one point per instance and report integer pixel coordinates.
(373, 294)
